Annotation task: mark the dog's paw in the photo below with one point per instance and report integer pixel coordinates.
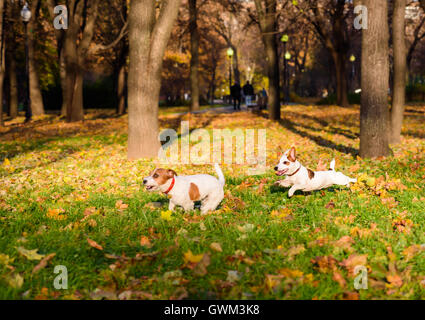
(282, 183)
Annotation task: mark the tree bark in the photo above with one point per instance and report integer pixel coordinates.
(122, 82)
(2, 50)
(148, 39)
(374, 112)
(37, 106)
(75, 54)
(400, 63)
(13, 87)
(268, 25)
(194, 51)
(11, 64)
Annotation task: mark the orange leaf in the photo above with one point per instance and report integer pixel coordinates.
(94, 244)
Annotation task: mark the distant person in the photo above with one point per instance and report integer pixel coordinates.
(235, 92)
(264, 98)
(248, 91)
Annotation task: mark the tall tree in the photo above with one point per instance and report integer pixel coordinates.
(11, 60)
(148, 38)
(82, 16)
(2, 50)
(329, 21)
(400, 62)
(266, 11)
(374, 111)
(37, 107)
(194, 51)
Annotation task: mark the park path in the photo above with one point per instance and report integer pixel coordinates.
(218, 110)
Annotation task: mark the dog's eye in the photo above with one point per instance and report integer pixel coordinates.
(286, 163)
(155, 175)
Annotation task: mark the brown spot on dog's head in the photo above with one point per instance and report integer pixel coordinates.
(161, 176)
(292, 156)
(310, 174)
(194, 192)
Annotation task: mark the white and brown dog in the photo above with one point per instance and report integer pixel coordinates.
(185, 190)
(300, 178)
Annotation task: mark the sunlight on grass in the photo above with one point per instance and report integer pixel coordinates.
(63, 186)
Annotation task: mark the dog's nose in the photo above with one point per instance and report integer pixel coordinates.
(145, 181)
(276, 168)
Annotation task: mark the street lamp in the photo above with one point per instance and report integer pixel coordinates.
(285, 39)
(230, 54)
(353, 70)
(26, 17)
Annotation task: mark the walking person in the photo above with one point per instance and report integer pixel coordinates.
(235, 92)
(264, 98)
(248, 91)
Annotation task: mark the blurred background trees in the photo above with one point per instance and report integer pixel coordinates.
(88, 64)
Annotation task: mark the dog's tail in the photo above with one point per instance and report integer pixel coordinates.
(332, 165)
(219, 174)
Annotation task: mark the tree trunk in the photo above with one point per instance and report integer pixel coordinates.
(2, 64)
(400, 63)
(268, 26)
(10, 39)
(62, 75)
(236, 72)
(74, 54)
(121, 85)
(37, 106)
(341, 78)
(374, 113)
(13, 87)
(194, 51)
(148, 39)
(74, 110)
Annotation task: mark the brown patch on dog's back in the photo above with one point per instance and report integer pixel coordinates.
(194, 192)
(310, 174)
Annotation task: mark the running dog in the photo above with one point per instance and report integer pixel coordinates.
(185, 190)
(300, 178)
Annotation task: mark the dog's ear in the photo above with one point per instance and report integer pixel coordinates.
(171, 173)
(292, 155)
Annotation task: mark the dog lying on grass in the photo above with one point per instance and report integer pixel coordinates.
(300, 178)
(185, 190)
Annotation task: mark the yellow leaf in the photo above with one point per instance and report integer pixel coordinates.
(5, 259)
(6, 162)
(16, 281)
(192, 258)
(166, 215)
(30, 254)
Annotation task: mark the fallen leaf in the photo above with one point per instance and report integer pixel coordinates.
(15, 281)
(337, 276)
(145, 242)
(191, 258)
(353, 261)
(94, 244)
(293, 251)
(30, 254)
(43, 263)
(216, 247)
(166, 215)
(120, 205)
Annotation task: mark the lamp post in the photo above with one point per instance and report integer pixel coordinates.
(230, 54)
(285, 39)
(26, 16)
(353, 69)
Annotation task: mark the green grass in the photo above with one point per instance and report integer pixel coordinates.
(257, 226)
